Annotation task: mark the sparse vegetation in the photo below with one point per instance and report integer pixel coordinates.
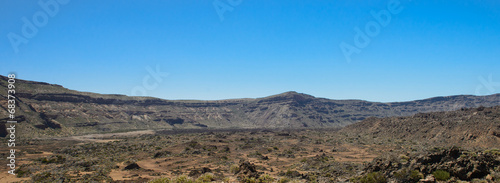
(441, 175)
(374, 177)
(261, 156)
(493, 151)
(161, 180)
(409, 176)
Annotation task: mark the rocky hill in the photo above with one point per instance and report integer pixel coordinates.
(473, 127)
(51, 110)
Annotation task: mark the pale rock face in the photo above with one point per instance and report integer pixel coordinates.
(428, 179)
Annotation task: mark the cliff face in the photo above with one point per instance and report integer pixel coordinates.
(50, 110)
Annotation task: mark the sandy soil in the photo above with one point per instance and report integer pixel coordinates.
(108, 137)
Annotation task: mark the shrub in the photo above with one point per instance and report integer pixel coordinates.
(493, 151)
(249, 180)
(404, 158)
(284, 180)
(21, 173)
(234, 169)
(405, 175)
(161, 180)
(52, 159)
(374, 177)
(441, 175)
(193, 144)
(207, 177)
(476, 180)
(266, 179)
(183, 179)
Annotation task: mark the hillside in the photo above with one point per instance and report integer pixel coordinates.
(477, 127)
(52, 110)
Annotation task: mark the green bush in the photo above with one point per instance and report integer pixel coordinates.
(161, 180)
(476, 180)
(207, 177)
(266, 178)
(234, 168)
(405, 175)
(249, 180)
(493, 151)
(374, 177)
(284, 180)
(441, 175)
(183, 179)
(52, 159)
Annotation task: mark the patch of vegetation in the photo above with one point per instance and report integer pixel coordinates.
(374, 177)
(266, 178)
(21, 173)
(441, 175)
(234, 169)
(207, 177)
(493, 151)
(406, 175)
(161, 180)
(52, 159)
(283, 180)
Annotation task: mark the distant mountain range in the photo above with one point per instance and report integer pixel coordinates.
(51, 110)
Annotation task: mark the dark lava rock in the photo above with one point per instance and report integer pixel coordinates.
(248, 169)
(460, 164)
(197, 173)
(132, 166)
(162, 154)
(291, 174)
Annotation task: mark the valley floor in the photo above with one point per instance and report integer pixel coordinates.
(235, 156)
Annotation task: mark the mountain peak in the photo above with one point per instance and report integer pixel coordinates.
(289, 96)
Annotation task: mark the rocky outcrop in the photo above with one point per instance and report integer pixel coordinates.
(247, 170)
(132, 166)
(460, 164)
(465, 127)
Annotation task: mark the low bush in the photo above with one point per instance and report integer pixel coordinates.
(183, 179)
(405, 175)
(161, 180)
(284, 180)
(207, 177)
(493, 151)
(234, 168)
(441, 175)
(374, 177)
(266, 179)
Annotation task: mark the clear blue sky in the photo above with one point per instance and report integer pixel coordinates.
(259, 48)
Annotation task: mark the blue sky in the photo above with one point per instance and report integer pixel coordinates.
(255, 48)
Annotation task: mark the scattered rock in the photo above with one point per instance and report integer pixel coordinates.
(162, 154)
(197, 173)
(132, 166)
(459, 164)
(428, 179)
(248, 169)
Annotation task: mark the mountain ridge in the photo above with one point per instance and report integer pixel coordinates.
(51, 110)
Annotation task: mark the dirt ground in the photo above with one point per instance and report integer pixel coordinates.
(272, 152)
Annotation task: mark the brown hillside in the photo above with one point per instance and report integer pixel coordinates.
(478, 127)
